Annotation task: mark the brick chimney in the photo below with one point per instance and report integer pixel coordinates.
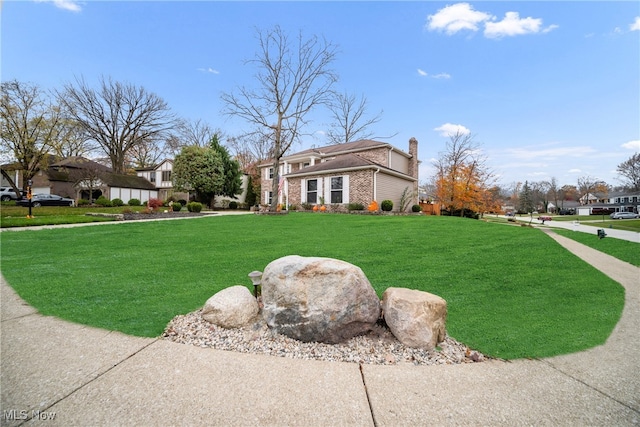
(413, 162)
(413, 166)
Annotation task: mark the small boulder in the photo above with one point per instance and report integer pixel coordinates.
(230, 308)
(318, 299)
(416, 318)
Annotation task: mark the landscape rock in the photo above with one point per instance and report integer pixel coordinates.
(232, 307)
(318, 299)
(417, 319)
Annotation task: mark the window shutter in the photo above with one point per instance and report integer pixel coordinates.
(327, 190)
(345, 189)
(303, 191)
(321, 186)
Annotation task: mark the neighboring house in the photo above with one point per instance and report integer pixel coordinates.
(80, 176)
(76, 177)
(336, 175)
(615, 202)
(160, 176)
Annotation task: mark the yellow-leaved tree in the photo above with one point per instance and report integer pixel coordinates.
(462, 179)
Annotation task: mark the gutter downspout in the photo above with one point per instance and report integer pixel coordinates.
(375, 184)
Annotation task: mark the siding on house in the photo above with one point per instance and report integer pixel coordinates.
(126, 194)
(398, 162)
(391, 188)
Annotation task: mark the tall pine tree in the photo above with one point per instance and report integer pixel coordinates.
(232, 176)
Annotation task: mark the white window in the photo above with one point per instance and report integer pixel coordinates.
(312, 191)
(336, 189)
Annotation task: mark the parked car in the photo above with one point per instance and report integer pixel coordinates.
(623, 215)
(38, 200)
(7, 193)
(567, 212)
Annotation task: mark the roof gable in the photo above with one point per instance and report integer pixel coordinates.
(344, 161)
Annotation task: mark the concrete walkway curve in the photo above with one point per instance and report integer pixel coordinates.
(57, 373)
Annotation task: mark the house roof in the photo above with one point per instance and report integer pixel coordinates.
(59, 171)
(363, 144)
(344, 162)
(78, 162)
(128, 181)
(335, 150)
(153, 167)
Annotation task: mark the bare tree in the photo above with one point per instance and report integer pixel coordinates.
(72, 141)
(588, 185)
(350, 121)
(293, 78)
(145, 153)
(191, 133)
(250, 149)
(31, 125)
(630, 171)
(117, 116)
(553, 192)
(540, 195)
(87, 176)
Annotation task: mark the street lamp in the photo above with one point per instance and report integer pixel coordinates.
(29, 196)
(256, 279)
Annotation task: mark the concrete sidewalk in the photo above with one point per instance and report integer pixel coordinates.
(57, 373)
(588, 227)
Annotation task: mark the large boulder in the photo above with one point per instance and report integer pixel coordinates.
(416, 318)
(230, 308)
(318, 299)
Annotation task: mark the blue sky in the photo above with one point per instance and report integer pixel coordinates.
(549, 89)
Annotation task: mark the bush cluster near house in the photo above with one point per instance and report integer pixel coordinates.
(103, 201)
(194, 207)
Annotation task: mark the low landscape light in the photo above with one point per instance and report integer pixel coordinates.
(256, 279)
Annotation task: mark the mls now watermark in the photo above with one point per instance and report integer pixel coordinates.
(17, 415)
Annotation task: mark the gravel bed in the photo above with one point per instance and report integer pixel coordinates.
(378, 347)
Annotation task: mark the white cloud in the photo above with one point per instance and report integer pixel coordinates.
(462, 16)
(441, 76)
(636, 24)
(209, 70)
(71, 5)
(449, 129)
(457, 17)
(513, 25)
(423, 73)
(575, 170)
(632, 145)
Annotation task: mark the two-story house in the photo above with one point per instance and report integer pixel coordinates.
(160, 176)
(354, 172)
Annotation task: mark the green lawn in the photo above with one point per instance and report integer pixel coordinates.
(592, 220)
(512, 292)
(16, 216)
(622, 249)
